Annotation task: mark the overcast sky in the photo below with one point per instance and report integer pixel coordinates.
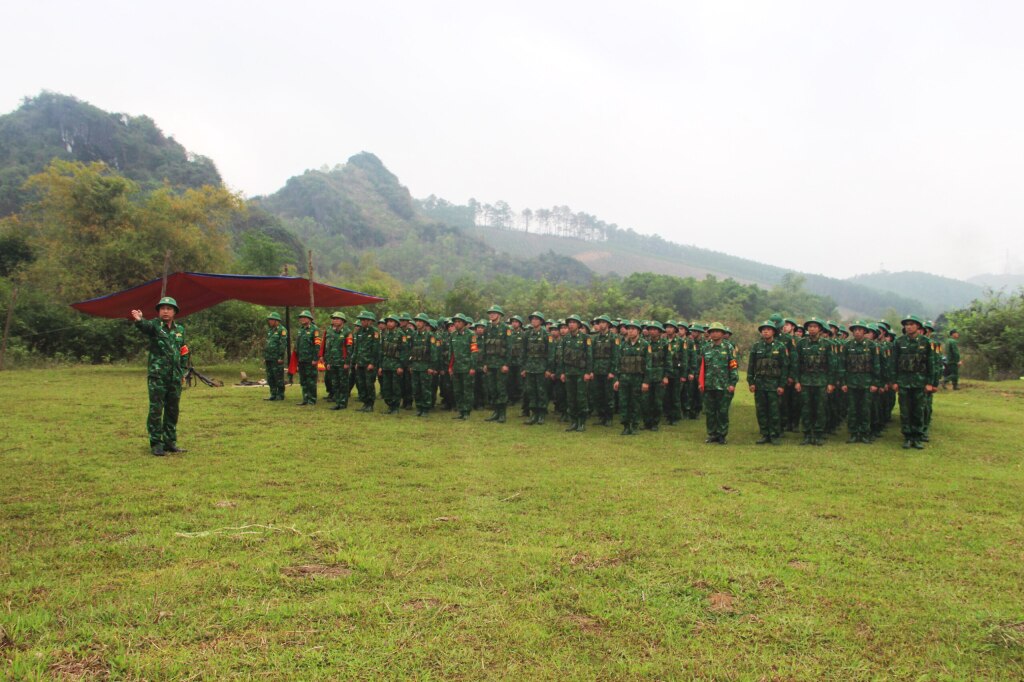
(833, 137)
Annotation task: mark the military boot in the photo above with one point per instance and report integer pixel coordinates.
(501, 416)
(540, 419)
(493, 417)
(158, 450)
(575, 426)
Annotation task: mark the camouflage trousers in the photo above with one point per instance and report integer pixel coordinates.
(602, 397)
(577, 405)
(422, 389)
(858, 411)
(912, 412)
(462, 387)
(162, 423)
(653, 402)
(496, 385)
(692, 399)
(716, 408)
(366, 385)
(338, 378)
(814, 410)
(767, 402)
(391, 387)
(275, 378)
(672, 408)
(536, 393)
(631, 397)
(307, 379)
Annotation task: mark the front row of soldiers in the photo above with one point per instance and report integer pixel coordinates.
(808, 373)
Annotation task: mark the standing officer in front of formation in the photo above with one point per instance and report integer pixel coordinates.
(337, 348)
(914, 363)
(953, 361)
(859, 375)
(767, 372)
(275, 352)
(168, 358)
(721, 374)
(307, 351)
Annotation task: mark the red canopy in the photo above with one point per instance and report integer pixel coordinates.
(195, 291)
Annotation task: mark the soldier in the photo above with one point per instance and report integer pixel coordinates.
(789, 411)
(693, 398)
(394, 351)
(721, 374)
(337, 347)
(462, 353)
(515, 367)
(914, 362)
(423, 354)
(575, 370)
(497, 356)
(537, 367)
(606, 351)
(307, 349)
(859, 373)
(366, 358)
(676, 371)
(767, 372)
(953, 361)
(405, 323)
(274, 351)
(658, 380)
(814, 380)
(444, 380)
(168, 359)
(632, 373)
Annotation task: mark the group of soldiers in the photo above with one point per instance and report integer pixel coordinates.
(808, 377)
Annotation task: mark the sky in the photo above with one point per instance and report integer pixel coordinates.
(832, 137)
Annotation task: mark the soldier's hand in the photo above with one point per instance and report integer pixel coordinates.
(844, 389)
(369, 368)
(328, 367)
(780, 390)
(753, 388)
(588, 377)
(562, 378)
(731, 389)
(664, 382)
(398, 371)
(874, 389)
(280, 362)
(929, 388)
(644, 388)
(615, 386)
(690, 377)
(346, 367)
(790, 381)
(504, 369)
(611, 376)
(137, 315)
(485, 369)
(797, 387)
(829, 388)
(472, 372)
(450, 372)
(523, 374)
(895, 388)
(380, 372)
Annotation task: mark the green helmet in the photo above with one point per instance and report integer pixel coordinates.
(586, 325)
(423, 316)
(574, 318)
(728, 330)
(776, 319)
(716, 326)
(495, 309)
(672, 323)
(860, 323)
(769, 324)
(912, 318)
(843, 330)
(516, 318)
(366, 315)
(929, 325)
(539, 315)
(603, 318)
(697, 327)
(167, 300)
(654, 324)
(481, 323)
(681, 326)
(870, 326)
(306, 313)
(432, 323)
(404, 317)
(390, 316)
(274, 316)
(338, 315)
(631, 323)
(791, 321)
(816, 320)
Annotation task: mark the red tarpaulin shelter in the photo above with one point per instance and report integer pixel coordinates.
(195, 291)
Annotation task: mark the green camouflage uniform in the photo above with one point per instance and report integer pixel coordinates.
(337, 346)
(366, 352)
(767, 371)
(859, 371)
(633, 370)
(952, 363)
(307, 351)
(815, 368)
(655, 398)
(914, 363)
(394, 351)
(497, 353)
(720, 372)
(606, 354)
(538, 356)
(462, 352)
(423, 357)
(577, 359)
(168, 360)
(275, 355)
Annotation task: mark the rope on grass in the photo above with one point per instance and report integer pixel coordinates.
(241, 530)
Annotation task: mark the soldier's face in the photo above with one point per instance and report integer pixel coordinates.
(165, 313)
(479, 331)
(716, 335)
(912, 328)
(459, 325)
(365, 323)
(767, 333)
(813, 328)
(516, 324)
(420, 325)
(336, 323)
(493, 317)
(788, 328)
(305, 321)
(272, 323)
(390, 324)
(535, 322)
(574, 327)
(858, 334)
(955, 335)
(632, 333)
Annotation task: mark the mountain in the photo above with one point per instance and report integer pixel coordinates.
(998, 282)
(937, 293)
(624, 252)
(53, 126)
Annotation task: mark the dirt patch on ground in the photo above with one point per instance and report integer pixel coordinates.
(421, 604)
(799, 565)
(446, 519)
(828, 516)
(702, 585)
(68, 666)
(589, 563)
(591, 256)
(729, 489)
(316, 570)
(225, 504)
(587, 624)
(5, 640)
(721, 602)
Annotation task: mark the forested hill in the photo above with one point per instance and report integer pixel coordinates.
(938, 293)
(51, 126)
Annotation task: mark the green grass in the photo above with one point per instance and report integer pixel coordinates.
(472, 550)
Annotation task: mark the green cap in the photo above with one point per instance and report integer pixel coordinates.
(274, 316)
(390, 316)
(366, 315)
(539, 315)
(306, 313)
(672, 323)
(495, 309)
(338, 315)
(167, 300)
(717, 325)
(912, 318)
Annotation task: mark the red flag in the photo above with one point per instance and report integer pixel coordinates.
(700, 379)
(293, 364)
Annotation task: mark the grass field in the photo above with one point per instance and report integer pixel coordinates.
(309, 544)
